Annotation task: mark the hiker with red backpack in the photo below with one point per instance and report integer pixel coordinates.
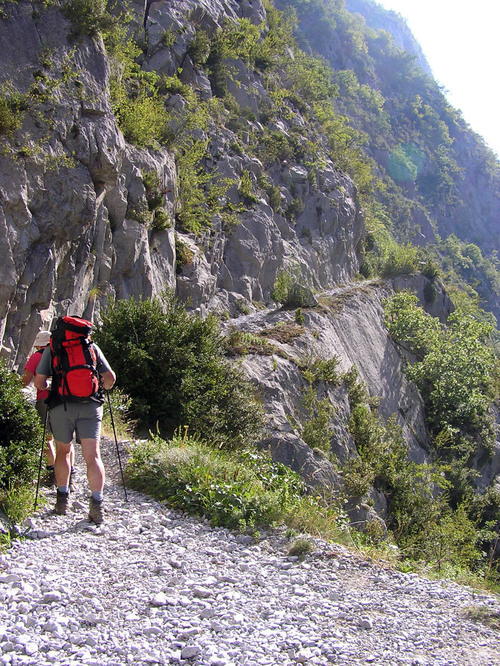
(79, 372)
(42, 340)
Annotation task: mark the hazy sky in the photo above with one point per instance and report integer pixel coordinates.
(461, 41)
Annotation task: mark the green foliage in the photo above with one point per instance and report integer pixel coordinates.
(88, 16)
(286, 289)
(20, 441)
(300, 548)
(294, 209)
(199, 49)
(317, 432)
(457, 369)
(154, 190)
(407, 322)
(318, 369)
(172, 366)
(161, 221)
(275, 198)
(243, 489)
(448, 542)
(242, 342)
(299, 317)
(10, 114)
(142, 119)
(245, 189)
(183, 254)
(201, 192)
(465, 266)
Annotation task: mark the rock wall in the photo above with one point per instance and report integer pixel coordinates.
(71, 186)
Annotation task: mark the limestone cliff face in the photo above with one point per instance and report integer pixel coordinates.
(71, 186)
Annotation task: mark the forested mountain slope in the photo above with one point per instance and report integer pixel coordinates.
(438, 178)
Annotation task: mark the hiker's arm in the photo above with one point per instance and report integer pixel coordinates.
(26, 378)
(108, 378)
(40, 382)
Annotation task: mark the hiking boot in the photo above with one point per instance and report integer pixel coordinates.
(95, 511)
(61, 506)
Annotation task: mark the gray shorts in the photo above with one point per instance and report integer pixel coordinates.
(82, 419)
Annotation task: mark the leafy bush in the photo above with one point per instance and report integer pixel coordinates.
(234, 490)
(400, 260)
(287, 291)
(172, 365)
(142, 119)
(317, 432)
(10, 114)
(20, 437)
(456, 370)
(88, 16)
(201, 192)
(300, 548)
(199, 48)
(245, 190)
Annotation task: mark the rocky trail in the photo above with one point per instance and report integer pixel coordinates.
(153, 586)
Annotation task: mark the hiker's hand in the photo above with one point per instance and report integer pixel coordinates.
(40, 381)
(108, 379)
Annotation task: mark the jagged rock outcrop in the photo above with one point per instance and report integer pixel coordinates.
(72, 189)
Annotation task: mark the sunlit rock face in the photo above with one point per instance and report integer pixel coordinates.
(73, 216)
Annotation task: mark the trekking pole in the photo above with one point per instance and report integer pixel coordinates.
(41, 458)
(117, 450)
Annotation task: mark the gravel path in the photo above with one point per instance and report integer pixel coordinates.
(152, 586)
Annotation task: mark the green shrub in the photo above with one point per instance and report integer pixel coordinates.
(161, 221)
(200, 192)
(184, 255)
(245, 190)
(401, 260)
(294, 209)
(10, 114)
(300, 548)
(20, 439)
(142, 119)
(172, 365)
(274, 193)
(199, 48)
(282, 288)
(88, 16)
(232, 489)
(317, 432)
(456, 369)
(154, 189)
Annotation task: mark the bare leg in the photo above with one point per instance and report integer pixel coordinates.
(91, 451)
(50, 452)
(62, 465)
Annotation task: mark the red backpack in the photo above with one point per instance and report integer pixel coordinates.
(74, 361)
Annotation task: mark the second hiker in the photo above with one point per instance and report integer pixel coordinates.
(79, 372)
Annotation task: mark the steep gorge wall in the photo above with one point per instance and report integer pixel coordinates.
(70, 186)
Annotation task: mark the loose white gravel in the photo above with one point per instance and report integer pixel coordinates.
(152, 586)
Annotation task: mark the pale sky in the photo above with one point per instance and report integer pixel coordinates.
(461, 42)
